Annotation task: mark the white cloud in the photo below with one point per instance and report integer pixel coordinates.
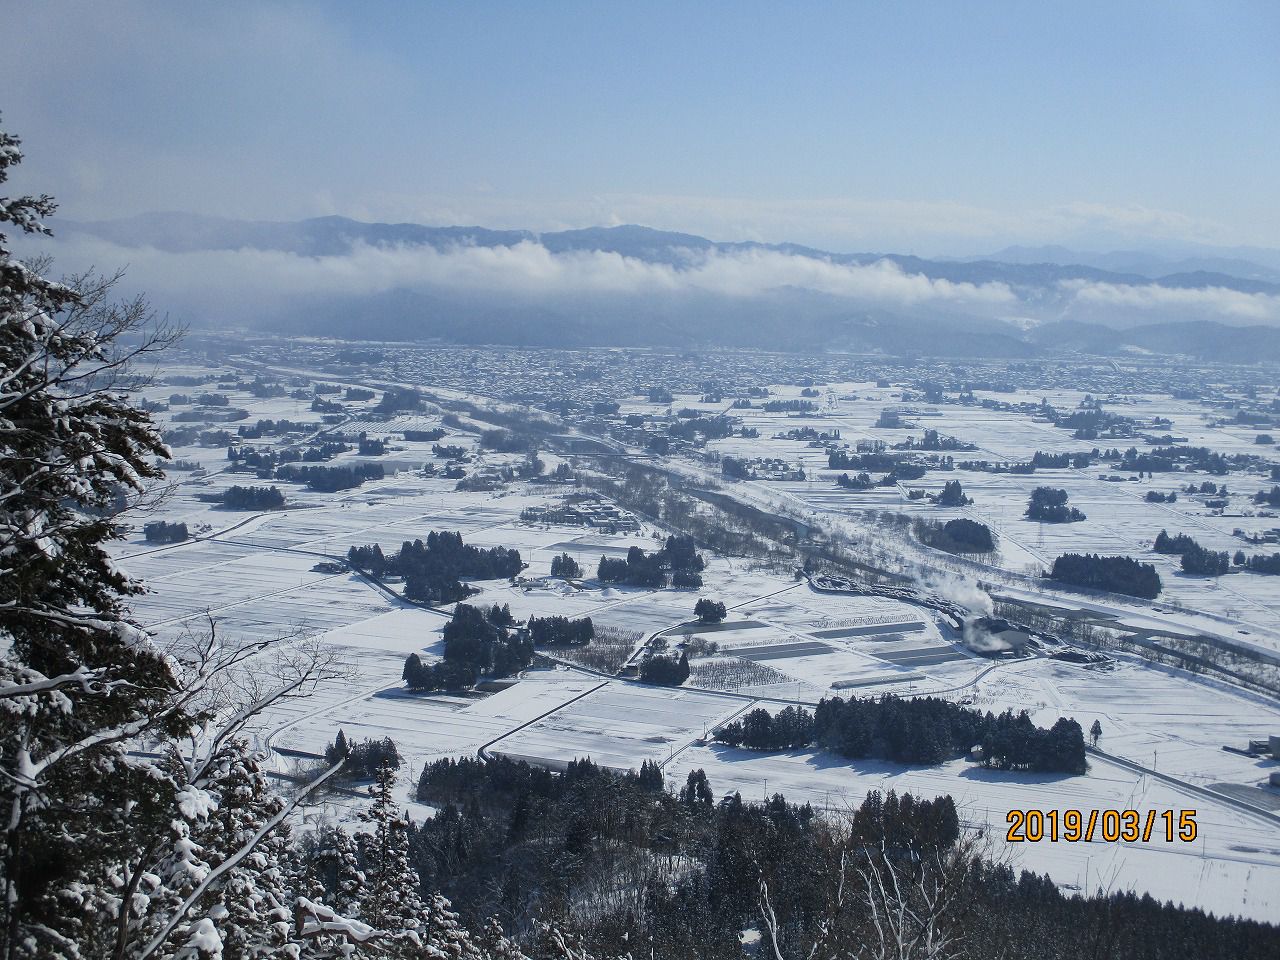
(526, 270)
(1210, 303)
(206, 282)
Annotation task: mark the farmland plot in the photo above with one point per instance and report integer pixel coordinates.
(621, 725)
(424, 726)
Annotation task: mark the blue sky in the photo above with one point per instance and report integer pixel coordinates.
(925, 127)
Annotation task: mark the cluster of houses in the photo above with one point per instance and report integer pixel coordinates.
(598, 514)
(1260, 537)
(773, 468)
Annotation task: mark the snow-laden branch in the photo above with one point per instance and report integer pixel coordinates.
(86, 680)
(231, 862)
(770, 919)
(313, 919)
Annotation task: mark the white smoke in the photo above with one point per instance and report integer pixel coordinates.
(964, 592)
(980, 641)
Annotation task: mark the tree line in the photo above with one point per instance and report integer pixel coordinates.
(423, 436)
(252, 498)
(488, 643)
(557, 631)
(1195, 558)
(1117, 574)
(925, 730)
(958, 536)
(621, 858)
(161, 531)
(1165, 459)
(839, 459)
(702, 428)
(331, 479)
(362, 760)
(663, 670)
(270, 428)
(270, 459)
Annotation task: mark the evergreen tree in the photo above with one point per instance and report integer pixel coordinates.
(953, 495)
(665, 671)
(1049, 505)
(338, 750)
(696, 793)
(392, 899)
(334, 866)
(1118, 574)
(560, 631)
(650, 777)
(77, 676)
(416, 674)
(565, 566)
(253, 904)
(709, 611)
(686, 579)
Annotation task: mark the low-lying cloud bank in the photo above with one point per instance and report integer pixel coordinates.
(1210, 302)
(226, 280)
(524, 269)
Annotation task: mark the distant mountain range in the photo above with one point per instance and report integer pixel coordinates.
(575, 287)
(1150, 265)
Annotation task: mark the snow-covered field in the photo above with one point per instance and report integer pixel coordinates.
(255, 575)
(1119, 519)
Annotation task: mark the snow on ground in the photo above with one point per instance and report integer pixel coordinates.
(621, 725)
(424, 726)
(254, 573)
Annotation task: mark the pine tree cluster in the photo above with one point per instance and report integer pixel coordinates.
(1117, 574)
(664, 671)
(160, 531)
(923, 730)
(565, 566)
(678, 555)
(557, 631)
(1049, 505)
(604, 861)
(477, 643)
(252, 498)
(363, 759)
(330, 479)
